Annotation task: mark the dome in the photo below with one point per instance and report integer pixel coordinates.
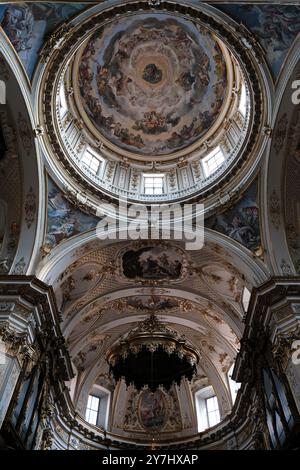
(151, 84)
(151, 105)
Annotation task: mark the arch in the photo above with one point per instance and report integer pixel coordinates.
(25, 219)
(273, 218)
(63, 255)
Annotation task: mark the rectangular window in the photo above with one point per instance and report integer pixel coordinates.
(246, 298)
(92, 409)
(153, 184)
(90, 161)
(62, 96)
(243, 101)
(233, 385)
(213, 161)
(213, 414)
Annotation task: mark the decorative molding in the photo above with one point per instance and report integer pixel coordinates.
(280, 132)
(30, 207)
(274, 209)
(285, 268)
(26, 135)
(20, 266)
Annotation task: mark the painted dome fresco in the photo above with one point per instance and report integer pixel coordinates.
(152, 84)
(152, 104)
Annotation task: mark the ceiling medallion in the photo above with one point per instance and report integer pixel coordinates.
(152, 356)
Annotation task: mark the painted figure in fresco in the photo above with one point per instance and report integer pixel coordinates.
(152, 409)
(276, 27)
(66, 229)
(186, 132)
(152, 302)
(152, 263)
(242, 223)
(27, 25)
(155, 123)
(242, 233)
(152, 74)
(18, 22)
(63, 220)
(281, 25)
(186, 81)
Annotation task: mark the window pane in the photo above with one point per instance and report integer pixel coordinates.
(94, 165)
(148, 191)
(211, 404)
(246, 298)
(233, 385)
(212, 411)
(62, 96)
(92, 409)
(95, 403)
(92, 417)
(89, 401)
(86, 159)
(243, 101)
(213, 418)
(153, 184)
(90, 161)
(213, 161)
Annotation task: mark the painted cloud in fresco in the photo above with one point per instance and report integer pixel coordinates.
(28, 24)
(241, 223)
(63, 221)
(276, 25)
